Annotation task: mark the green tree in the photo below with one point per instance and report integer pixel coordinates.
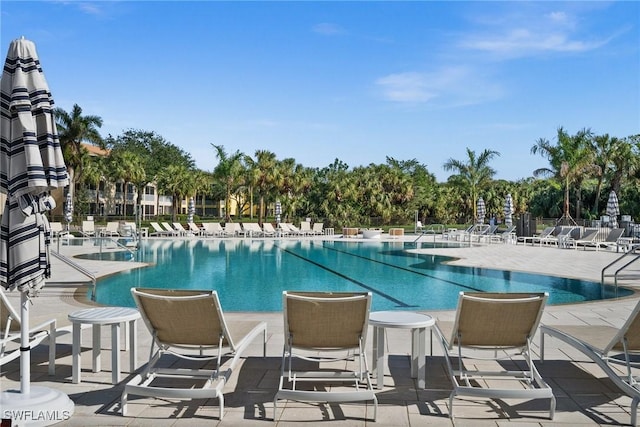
(472, 175)
(73, 130)
(229, 171)
(263, 173)
(128, 167)
(154, 152)
(570, 158)
(95, 171)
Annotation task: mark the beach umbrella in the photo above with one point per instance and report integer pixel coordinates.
(613, 209)
(31, 164)
(508, 210)
(191, 210)
(278, 212)
(68, 209)
(481, 211)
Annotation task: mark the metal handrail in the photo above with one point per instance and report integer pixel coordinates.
(631, 252)
(74, 265)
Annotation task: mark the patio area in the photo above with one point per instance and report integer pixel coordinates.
(584, 396)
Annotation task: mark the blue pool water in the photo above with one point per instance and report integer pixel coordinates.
(250, 275)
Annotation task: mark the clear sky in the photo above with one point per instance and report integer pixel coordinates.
(357, 81)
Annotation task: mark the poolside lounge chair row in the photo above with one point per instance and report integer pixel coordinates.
(489, 326)
(234, 229)
(569, 237)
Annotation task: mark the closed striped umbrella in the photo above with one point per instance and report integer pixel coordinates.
(613, 209)
(508, 210)
(31, 164)
(481, 211)
(191, 210)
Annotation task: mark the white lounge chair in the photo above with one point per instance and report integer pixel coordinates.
(111, 229)
(39, 331)
(292, 229)
(57, 230)
(588, 238)
(560, 240)
(488, 324)
(252, 229)
(536, 238)
(194, 229)
(212, 229)
(599, 343)
(159, 231)
(325, 327)
(169, 229)
(318, 228)
(186, 324)
(305, 227)
(180, 229)
(507, 236)
(232, 229)
(613, 240)
(268, 230)
(88, 228)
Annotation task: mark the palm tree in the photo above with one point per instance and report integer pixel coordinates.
(263, 174)
(73, 130)
(229, 171)
(472, 175)
(570, 159)
(129, 168)
(94, 172)
(180, 182)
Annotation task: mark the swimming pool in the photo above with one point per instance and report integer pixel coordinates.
(251, 274)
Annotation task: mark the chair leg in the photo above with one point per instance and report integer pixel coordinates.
(52, 350)
(634, 411)
(221, 400)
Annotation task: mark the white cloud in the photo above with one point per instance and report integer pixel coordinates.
(406, 87)
(532, 33)
(328, 29)
(443, 88)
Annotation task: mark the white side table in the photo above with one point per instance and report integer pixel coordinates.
(418, 323)
(98, 317)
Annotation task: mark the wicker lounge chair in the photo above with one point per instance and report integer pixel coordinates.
(598, 343)
(325, 327)
(486, 325)
(186, 323)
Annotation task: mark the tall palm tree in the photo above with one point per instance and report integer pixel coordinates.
(129, 168)
(570, 159)
(229, 171)
(94, 172)
(73, 130)
(472, 175)
(263, 173)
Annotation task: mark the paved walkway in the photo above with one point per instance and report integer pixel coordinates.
(584, 397)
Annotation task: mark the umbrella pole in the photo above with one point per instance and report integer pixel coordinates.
(25, 352)
(37, 405)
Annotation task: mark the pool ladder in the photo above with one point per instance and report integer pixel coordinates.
(621, 263)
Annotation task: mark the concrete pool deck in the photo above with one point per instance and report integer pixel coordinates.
(584, 396)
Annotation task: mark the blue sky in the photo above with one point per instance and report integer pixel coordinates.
(357, 81)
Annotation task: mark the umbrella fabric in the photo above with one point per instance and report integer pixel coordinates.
(481, 210)
(191, 210)
(508, 210)
(68, 208)
(31, 164)
(613, 209)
